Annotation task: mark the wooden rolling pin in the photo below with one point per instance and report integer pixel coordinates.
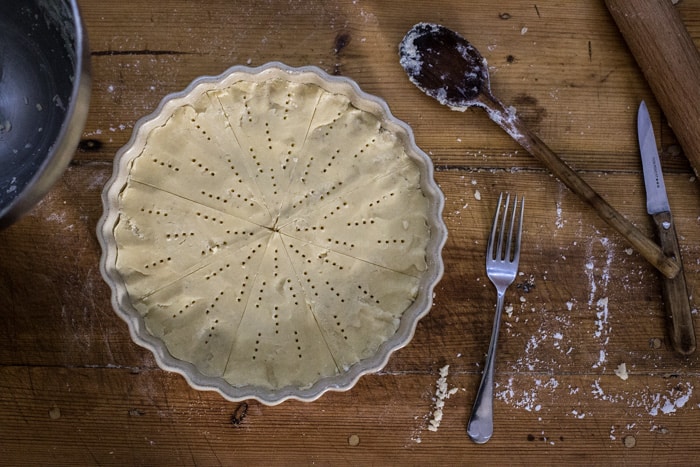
(670, 62)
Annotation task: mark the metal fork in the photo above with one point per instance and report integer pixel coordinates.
(501, 268)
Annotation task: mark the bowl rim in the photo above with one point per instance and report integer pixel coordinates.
(409, 320)
(54, 164)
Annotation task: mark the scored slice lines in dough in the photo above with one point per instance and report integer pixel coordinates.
(270, 120)
(346, 148)
(358, 305)
(278, 342)
(162, 237)
(198, 315)
(195, 156)
(383, 223)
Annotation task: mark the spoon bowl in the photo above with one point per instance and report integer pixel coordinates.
(444, 66)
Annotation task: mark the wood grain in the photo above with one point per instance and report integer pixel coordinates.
(75, 390)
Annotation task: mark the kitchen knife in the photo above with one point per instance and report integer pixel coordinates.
(675, 292)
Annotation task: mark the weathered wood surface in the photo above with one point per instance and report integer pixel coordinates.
(74, 388)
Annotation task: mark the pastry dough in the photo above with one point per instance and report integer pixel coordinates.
(271, 233)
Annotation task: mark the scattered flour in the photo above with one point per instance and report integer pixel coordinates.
(56, 217)
(651, 402)
(559, 222)
(528, 389)
(527, 399)
(602, 330)
(598, 275)
(13, 185)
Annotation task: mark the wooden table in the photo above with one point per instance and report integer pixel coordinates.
(74, 388)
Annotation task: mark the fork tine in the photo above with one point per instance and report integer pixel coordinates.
(505, 254)
(512, 251)
(516, 248)
(491, 252)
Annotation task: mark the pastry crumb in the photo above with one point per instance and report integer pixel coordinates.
(441, 394)
(621, 371)
(509, 310)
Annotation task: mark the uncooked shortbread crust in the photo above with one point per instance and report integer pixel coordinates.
(271, 233)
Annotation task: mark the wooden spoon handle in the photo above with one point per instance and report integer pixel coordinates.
(510, 122)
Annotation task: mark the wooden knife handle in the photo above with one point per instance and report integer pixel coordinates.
(670, 62)
(675, 292)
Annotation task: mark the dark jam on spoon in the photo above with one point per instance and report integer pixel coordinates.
(444, 65)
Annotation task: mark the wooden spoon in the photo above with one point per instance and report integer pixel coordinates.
(448, 68)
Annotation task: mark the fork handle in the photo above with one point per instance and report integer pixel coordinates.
(480, 425)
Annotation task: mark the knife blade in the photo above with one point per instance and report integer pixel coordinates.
(675, 291)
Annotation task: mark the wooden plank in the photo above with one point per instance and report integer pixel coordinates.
(551, 85)
(153, 417)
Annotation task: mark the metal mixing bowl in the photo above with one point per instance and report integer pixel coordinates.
(44, 96)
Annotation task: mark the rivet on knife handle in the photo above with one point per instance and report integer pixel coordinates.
(675, 292)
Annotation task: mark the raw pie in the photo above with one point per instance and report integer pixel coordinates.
(271, 233)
